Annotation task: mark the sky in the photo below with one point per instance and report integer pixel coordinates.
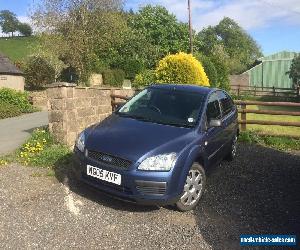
(274, 24)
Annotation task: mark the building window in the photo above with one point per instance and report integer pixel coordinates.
(3, 78)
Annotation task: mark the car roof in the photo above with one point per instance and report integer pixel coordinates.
(184, 87)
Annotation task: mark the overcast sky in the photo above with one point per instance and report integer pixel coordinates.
(275, 24)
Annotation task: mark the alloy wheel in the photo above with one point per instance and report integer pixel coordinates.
(192, 188)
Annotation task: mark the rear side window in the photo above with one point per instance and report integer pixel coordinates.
(213, 108)
(226, 103)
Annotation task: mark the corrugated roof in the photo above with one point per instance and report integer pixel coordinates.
(282, 55)
(6, 67)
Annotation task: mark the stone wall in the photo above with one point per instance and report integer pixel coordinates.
(71, 109)
(39, 99)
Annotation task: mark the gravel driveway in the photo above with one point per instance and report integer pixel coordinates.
(257, 193)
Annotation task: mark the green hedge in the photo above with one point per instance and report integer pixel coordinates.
(17, 98)
(114, 77)
(8, 110)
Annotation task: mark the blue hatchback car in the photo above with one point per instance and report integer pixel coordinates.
(157, 147)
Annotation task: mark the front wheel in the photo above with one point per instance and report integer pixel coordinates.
(193, 188)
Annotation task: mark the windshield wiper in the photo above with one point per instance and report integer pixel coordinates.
(137, 117)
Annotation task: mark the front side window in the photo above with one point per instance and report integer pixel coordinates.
(213, 108)
(165, 106)
(226, 103)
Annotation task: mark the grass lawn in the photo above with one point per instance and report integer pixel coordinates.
(276, 130)
(17, 48)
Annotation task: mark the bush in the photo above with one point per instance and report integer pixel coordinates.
(119, 76)
(38, 73)
(108, 77)
(181, 68)
(144, 78)
(113, 77)
(8, 110)
(42, 150)
(132, 67)
(209, 69)
(16, 98)
(222, 73)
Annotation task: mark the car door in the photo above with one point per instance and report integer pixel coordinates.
(229, 116)
(214, 137)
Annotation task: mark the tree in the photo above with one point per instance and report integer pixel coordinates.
(46, 50)
(25, 29)
(88, 29)
(209, 69)
(241, 48)
(294, 72)
(161, 29)
(8, 22)
(216, 68)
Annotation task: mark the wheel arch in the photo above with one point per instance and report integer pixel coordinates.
(196, 154)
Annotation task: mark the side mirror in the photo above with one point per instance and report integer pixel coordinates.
(213, 123)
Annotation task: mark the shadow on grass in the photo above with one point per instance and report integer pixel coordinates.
(258, 193)
(64, 174)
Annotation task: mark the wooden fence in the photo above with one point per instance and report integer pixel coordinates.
(244, 111)
(265, 91)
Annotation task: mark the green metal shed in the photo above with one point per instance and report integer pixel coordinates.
(271, 71)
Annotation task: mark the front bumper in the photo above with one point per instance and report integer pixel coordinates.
(146, 188)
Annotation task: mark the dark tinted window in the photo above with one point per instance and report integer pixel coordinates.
(213, 108)
(226, 103)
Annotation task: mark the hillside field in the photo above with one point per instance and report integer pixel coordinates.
(17, 48)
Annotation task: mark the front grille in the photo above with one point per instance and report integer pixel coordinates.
(151, 188)
(109, 159)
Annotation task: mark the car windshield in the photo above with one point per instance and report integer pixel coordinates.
(165, 106)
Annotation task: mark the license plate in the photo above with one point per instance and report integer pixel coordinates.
(104, 175)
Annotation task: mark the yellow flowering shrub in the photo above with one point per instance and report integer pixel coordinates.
(42, 150)
(181, 68)
(3, 162)
(35, 145)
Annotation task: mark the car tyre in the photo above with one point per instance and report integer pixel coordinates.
(193, 188)
(233, 148)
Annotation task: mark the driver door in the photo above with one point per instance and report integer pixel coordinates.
(215, 136)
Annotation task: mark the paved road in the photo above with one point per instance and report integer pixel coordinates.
(14, 131)
(258, 193)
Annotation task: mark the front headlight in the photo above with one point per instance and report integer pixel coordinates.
(80, 142)
(163, 162)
